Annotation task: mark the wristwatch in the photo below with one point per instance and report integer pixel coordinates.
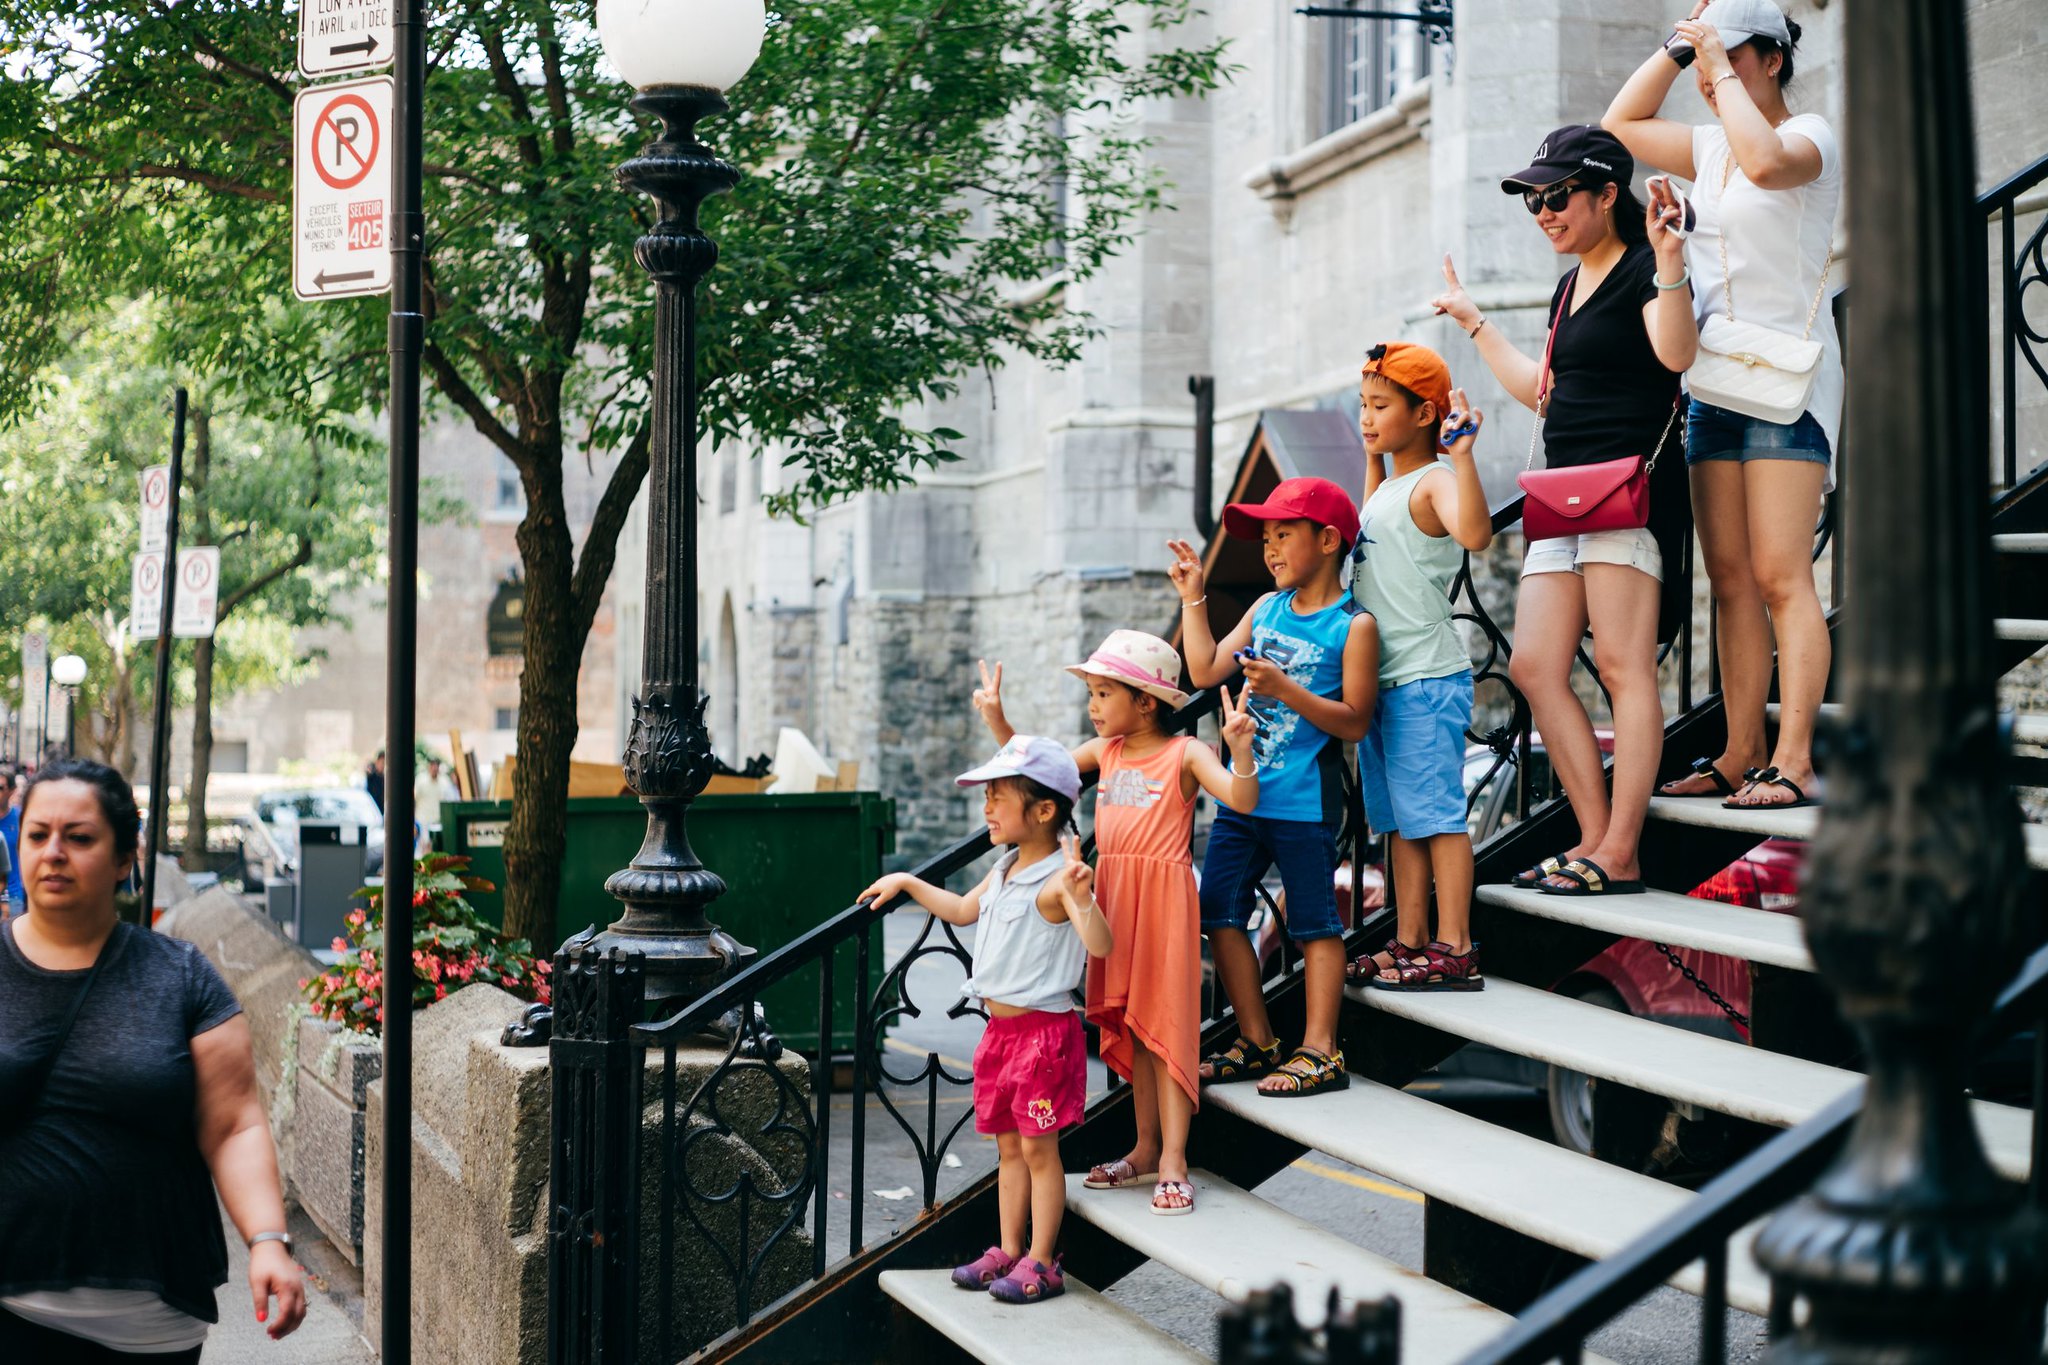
(284, 1237)
(1681, 50)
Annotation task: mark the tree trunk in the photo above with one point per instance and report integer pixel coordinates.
(536, 837)
(202, 658)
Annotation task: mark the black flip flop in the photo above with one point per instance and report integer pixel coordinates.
(1592, 879)
(1532, 876)
(1703, 767)
(1769, 777)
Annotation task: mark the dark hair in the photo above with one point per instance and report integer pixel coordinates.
(1033, 791)
(1766, 46)
(1628, 217)
(116, 797)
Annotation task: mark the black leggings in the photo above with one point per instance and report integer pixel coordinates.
(26, 1343)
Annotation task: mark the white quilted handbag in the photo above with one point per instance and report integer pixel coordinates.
(1748, 368)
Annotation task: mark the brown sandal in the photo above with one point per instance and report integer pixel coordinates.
(1436, 969)
(1368, 965)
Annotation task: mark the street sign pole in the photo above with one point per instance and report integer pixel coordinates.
(407, 237)
(160, 726)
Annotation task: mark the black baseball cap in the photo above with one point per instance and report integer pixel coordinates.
(1585, 150)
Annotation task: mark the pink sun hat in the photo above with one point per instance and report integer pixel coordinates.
(1143, 661)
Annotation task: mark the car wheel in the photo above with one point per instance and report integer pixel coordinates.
(1573, 1094)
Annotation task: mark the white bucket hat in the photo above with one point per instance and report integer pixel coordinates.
(1136, 659)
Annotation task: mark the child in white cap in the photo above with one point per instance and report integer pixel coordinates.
(1145, 995)
(1039, 924)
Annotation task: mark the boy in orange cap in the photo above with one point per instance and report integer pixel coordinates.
(1420, 518)
(1310, 660)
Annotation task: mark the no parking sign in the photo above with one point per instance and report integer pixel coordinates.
(341, 189)
(197, 605)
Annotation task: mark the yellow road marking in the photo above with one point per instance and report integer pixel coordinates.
(898, 1045)
(1357, 1181)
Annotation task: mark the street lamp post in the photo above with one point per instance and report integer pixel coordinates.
(68, 672)
(681, 55)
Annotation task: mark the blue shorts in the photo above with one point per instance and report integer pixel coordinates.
(1242, 847)
(1412, 762)
(1713, 433)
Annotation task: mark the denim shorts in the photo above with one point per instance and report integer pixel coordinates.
(1412, 762)
(1713, 433)
(1242, 847)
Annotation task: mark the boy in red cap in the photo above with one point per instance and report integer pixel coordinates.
(1311, 666)
(1420, 518)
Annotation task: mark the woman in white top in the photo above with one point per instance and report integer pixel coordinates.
(1766, 184)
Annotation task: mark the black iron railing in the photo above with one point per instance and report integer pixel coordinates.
(2022, 267)
(733, 1166)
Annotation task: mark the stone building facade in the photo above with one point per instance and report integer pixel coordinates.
(1314, 199)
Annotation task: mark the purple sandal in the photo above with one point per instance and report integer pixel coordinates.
(1030, 1281)
(994, 1263)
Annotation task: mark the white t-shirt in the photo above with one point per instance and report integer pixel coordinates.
(131, 1320)
(1778, 244)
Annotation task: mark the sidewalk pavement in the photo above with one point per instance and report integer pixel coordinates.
(330, 1335)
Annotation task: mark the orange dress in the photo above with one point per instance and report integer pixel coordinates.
(1150, 985)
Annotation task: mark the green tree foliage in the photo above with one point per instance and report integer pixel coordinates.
(909, 164)
(298, 523)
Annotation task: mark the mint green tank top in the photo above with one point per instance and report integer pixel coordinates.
(1403, 578)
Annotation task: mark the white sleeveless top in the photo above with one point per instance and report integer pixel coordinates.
(1020, 957)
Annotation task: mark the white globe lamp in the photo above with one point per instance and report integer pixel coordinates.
(705, 43)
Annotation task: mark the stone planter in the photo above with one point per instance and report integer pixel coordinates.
(325, 1147)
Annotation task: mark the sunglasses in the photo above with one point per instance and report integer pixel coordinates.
(1552, 197)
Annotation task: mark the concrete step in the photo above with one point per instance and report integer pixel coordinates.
(1789, 824)
(2021, 544)
(1562, 1199)
(1078, 1325)
(1665, 917)
(2027, 727)
(1236, 1242)
(2021, 628)
(1727, 1077)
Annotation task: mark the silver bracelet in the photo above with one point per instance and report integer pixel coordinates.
(1196, 603)
(1681, 282)
(284, 1237)
(1235, 773)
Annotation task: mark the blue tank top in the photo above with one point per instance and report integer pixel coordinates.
(1298, 764)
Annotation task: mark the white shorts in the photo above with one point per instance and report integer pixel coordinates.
(1634, 548)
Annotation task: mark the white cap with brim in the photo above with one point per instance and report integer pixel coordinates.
(1737, 21)
(1044, 761)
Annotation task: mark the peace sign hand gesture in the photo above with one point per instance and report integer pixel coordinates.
(1454, 301)
(988, 698)
(1077, 879)
(1186, 572)
(1239, 729)
(1461, 426)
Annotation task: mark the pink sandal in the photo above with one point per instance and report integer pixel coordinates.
(1173, 1189)
(1030, 1281)
(994, 1263)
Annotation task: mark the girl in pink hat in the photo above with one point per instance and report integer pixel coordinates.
(1145, 996)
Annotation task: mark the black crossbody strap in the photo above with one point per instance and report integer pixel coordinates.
(39, 1079)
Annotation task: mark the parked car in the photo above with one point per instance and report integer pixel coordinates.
(269, 832)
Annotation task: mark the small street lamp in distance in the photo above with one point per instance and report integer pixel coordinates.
(68, 671)
(681, 56)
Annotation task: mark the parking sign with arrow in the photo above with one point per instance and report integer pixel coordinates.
(344, 35)
(341, 189)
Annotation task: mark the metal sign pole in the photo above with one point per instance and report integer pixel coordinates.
(408, 324)
(160, 728)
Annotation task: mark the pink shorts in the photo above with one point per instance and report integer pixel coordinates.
(1031, 1074)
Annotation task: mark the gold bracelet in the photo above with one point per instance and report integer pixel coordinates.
(1731, 76)
(1473, 335)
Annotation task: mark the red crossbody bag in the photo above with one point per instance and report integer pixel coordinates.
(1613, 495)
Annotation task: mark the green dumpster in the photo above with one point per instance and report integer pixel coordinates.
(789, 864)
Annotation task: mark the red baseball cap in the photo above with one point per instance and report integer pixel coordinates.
(1316, 500)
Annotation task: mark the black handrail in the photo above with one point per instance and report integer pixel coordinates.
(1782, 1168)
(2019, 339)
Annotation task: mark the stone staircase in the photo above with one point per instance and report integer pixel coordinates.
(1579, 1205)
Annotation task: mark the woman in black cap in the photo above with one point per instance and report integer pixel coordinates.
(1605, 388)
(1761, 438)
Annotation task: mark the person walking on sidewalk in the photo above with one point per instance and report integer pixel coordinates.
(127, 1098)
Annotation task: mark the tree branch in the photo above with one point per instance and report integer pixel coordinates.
(457, 390)
(149, 171)
(199, 44)
(299, 559)
(601, 543)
